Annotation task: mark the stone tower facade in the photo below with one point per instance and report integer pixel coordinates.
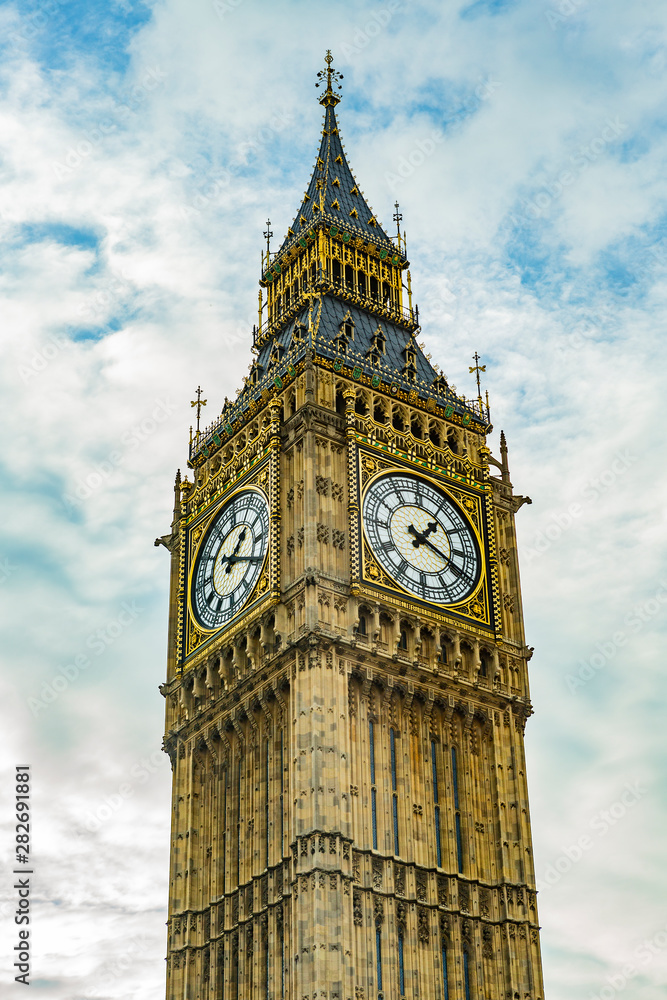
(347, 683)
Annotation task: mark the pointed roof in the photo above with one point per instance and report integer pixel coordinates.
(333, 193)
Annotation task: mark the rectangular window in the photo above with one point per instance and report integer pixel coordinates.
(455, 778)
(457, 815)
(282, 962)
(282, 817)
(378, 956)
(224, 829)
(371, 740)
(444, 972)
(394, 789)
(267, 777)
(459, 843)
(466, 975)
(434, 767)
(401, 968)
(238, 824)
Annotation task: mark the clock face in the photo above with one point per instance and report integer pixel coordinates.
(230, 559)
(421, 538)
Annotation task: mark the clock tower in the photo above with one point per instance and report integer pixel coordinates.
(347, 682)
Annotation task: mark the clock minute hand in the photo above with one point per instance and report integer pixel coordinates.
(436, 549)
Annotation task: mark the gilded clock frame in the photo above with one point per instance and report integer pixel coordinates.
(478, 606)
(196, 636)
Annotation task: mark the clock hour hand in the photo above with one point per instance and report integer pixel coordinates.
(239, 543)
(421, 536)
(422, 539)
(234, 559)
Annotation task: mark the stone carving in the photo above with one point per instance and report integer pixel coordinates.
(377, 873)
(464, 898)
(322, 485)
(338, 539)
(422, 886)
(357, 908)
(378, 910)
(337, 492)
(442, 890)
(423, 929)
(487, 942)
(323, 533)
(401, 915)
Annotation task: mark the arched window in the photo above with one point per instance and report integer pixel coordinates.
(403, 643)
(363, 627)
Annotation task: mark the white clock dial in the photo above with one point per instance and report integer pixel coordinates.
(421, 538)
(230, 559)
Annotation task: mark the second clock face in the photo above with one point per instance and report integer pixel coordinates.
(421, 538)
(230, 559)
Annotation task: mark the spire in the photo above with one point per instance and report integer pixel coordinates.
(333, 197)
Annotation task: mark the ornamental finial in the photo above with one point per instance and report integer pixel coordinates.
(477, 368)
(332, 78)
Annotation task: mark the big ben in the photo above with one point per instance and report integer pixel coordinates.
(347, 683)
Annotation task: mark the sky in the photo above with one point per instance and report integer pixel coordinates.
(143, 146)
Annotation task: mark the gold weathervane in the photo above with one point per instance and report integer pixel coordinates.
(198, 402)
